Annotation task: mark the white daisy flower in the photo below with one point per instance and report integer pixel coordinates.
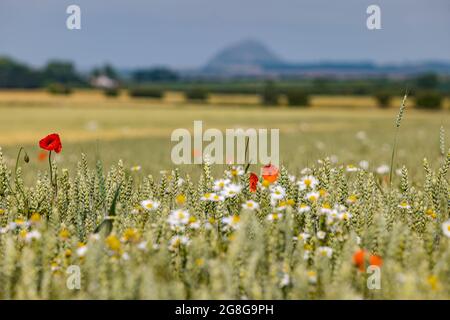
(302, 208)
(383, 169)
(312, 277)
(351, 168)
(325, 251)
(94, 237)
(364, 164)
(304, 236)
(32, 235)
(307, 182)
(351, 199)
(135, 168)
(178, 218)
(250, 205)
(178, 241)
(285, 281)
(150, 205)
(404, 205)
(231, 221)
(194, 224)
(326, 209)
(81, 250)
(278, 192)
(235, 171)
(142, 245)
(212, 197)
(321, 235)
(344, 216)
(231, 190)
(446, 228)
(306, 171)
(220, 184)
(312, 196)
(207, 196)
(274, 216)
(307, 255)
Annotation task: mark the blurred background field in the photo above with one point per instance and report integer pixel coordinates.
(346, 128)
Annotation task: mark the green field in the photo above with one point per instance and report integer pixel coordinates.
(138, 131)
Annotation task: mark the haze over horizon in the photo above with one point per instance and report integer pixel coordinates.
(181, 34)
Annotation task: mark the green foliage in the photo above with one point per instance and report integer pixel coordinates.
(16, 75)
(383, 99)
(196, 94)
(297, 98)
(270, 94)
(59, 89)
(429, 100)
(106, 70)
(146, 92)
(61, 72)
(155, 75)
(428, 81)
(112, 92)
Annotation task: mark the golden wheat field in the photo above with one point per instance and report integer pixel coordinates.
(342, 217)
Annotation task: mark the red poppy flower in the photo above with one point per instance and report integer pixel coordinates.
(375, 260)
(360, 256)
(270, 173)
(253, 182)
(52, 142)
(42, 156)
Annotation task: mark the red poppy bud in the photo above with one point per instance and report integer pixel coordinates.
(253, 182)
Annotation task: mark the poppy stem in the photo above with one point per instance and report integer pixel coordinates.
(17, 160)
(51, 168)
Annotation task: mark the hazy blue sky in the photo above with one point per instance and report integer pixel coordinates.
(186, 33)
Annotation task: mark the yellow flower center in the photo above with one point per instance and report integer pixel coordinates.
(113, 243)
(192, 219)
(181, 199)
(64, 234)
(35, 217)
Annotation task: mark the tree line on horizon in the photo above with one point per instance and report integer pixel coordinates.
(60, 73)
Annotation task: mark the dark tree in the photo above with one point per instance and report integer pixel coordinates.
(155, 75)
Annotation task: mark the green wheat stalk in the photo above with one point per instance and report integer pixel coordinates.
(397, 128)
